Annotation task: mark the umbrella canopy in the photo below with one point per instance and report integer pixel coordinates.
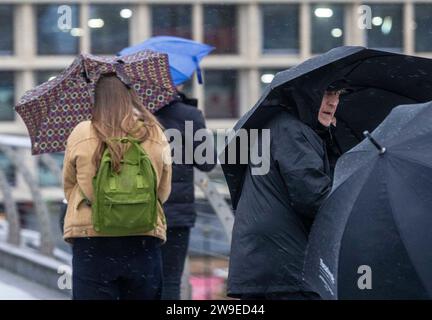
(52, 109)
(184, 55)
(378, 215)
(378, 81)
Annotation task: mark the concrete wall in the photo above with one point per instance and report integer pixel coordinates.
(43, 270)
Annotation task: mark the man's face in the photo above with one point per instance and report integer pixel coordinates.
(328, 108)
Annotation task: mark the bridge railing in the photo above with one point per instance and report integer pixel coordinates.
(11, 147)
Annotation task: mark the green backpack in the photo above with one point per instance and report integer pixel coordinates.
(125, 203)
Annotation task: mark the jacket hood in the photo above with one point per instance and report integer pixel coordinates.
(303, 97)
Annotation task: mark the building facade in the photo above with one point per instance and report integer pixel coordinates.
(254, 39)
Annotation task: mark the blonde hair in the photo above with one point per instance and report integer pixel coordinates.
(117, 112)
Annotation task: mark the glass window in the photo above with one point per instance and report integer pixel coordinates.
(6, 30)
(220, 28)
(327, 27)
(8, 169)
(386, 32)
(109, 28)
(221, 97)
(50, 38)
(6, 96)
(46, 177)
(423, 27)
(45, 75)
(266, 77)
(173, 20)
(280, 32)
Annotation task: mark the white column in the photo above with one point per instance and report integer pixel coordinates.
(408, 28)
(198, 35)
(198, 22)
(24, 80)
(25, 31)
(85, 37)
(242, 30)
(254, 92)
(140, 24)
(305, 31)
(354, 35)
(247, 51)
(254, 39)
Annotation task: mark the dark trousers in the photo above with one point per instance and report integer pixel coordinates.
(174, 253)
(116, 268)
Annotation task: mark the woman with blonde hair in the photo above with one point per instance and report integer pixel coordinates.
(113, 267)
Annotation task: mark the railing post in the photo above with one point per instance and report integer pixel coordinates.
(12, 217)
(216, 200)
(41, 209)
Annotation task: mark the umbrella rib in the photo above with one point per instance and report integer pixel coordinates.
(423, 164)
(359, 63)
(353, 173)
(354, 203)
(388, 90)
(400, 231)
(410, 138)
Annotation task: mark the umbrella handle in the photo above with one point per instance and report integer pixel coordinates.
(198, 71)
(380, 148)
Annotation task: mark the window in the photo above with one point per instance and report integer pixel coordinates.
(109, 28)
(221, 98)
(173, 20)
(45, 75)
(266, 77)
(8, 169)
(6, 30)
(50, 38)
(423, 30)
(280, 32)
(46, 177)
(220, 28)
(6, 96)
(327, 27)
(386, 32)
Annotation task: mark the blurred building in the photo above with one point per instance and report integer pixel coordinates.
(254, 40)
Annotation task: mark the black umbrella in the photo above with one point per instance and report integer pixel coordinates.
(378, 81)
(375, 228)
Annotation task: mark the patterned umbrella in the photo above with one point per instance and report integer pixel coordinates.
(52, 109)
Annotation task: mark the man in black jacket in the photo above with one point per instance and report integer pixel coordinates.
(180, 208)
(276, 210)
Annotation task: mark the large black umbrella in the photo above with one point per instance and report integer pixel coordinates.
(372, 237)
(379, 81)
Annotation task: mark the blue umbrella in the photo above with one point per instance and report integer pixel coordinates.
(184, 55)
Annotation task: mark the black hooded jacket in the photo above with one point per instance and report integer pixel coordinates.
(276, 210)
(180, 208)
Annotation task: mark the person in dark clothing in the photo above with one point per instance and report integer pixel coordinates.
(180, 208)
(276, 210)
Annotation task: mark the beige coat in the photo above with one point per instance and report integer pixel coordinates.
(79, 170)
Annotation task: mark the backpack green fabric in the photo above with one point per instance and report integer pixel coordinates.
(125, 203)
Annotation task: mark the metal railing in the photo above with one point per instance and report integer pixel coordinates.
(46, 241)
